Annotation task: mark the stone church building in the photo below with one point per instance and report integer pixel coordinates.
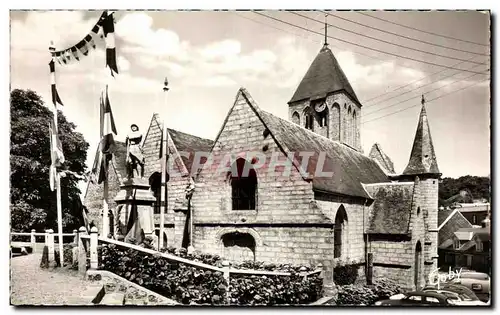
(362, 213)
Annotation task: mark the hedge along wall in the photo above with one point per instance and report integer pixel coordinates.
(187, 283)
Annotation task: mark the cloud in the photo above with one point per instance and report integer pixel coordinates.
(135, 29)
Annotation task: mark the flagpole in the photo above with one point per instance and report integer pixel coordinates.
(164, 190)
(52, 49)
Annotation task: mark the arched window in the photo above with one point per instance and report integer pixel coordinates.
(354, 128)
(296, 118)
(349, 126)
(335, 127)
(340, 225)
(309, 119)
(243, 185)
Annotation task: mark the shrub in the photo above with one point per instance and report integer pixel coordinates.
(345, 272)
(188, 284)
(274, 290)
(171, 279)
(367, 294)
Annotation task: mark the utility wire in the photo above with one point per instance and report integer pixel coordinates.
(412, 82)
(427, 101)
(366, 47)
(385, 41)
(419, 30)
(409, 91)
(404, 36)
(401, 102)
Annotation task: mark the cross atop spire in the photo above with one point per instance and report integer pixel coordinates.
(423, 100)
(326, 30)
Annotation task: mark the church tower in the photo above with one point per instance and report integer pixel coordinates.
(325, 102)
(423, 170)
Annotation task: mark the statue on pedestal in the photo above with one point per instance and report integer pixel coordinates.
(135, 157)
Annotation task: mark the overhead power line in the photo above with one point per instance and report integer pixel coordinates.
(407, 37)
(316, 41)
(385, 41)
(401, 102)
(419, 30)
(419, 87)
(366, 47)
(408, 84)
(427, 101)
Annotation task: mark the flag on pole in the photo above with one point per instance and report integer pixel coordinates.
(108, 128)
(55, 96)
(108, 27)
(134, 228)
(56, 155)
(98, 173)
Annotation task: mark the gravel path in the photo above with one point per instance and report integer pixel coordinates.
(31, 285)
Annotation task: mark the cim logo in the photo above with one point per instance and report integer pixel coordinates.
(436, 278)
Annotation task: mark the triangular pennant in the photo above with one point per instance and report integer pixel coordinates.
(82, 47)
(74, 52)
(67, 54)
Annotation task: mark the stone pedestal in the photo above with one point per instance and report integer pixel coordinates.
(135, 191)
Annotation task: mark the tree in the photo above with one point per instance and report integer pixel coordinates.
(463, 189)
(33, 204)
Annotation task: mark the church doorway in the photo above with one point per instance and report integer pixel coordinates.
(238, 246)
(417, 266)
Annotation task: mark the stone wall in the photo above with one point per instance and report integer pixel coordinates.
(353, 244)
(296, 245)
(290, 225)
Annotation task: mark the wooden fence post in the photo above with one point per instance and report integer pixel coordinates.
(82, 254)
(50, 244)
(93, 249)
(225, 268)
(33, 240)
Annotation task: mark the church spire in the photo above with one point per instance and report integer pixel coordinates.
(422, 158)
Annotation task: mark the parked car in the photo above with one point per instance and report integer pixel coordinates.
(478, 282)
(457, 288)
(417, 298)
(457, 298)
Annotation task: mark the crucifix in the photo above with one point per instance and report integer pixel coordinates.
(326, 30)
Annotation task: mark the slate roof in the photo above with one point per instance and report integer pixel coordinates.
(391, 210)
(422, 158)
(385, 161)
(350, 168)
(185, 142)
(182, 141)
(443, 214)
(455, 222)
(324, 76)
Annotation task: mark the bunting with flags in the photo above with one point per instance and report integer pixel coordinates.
(108, 27)
(66, 55)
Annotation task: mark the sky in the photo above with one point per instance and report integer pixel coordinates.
(208, 56)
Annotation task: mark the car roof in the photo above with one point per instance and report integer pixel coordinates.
(424, 293)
